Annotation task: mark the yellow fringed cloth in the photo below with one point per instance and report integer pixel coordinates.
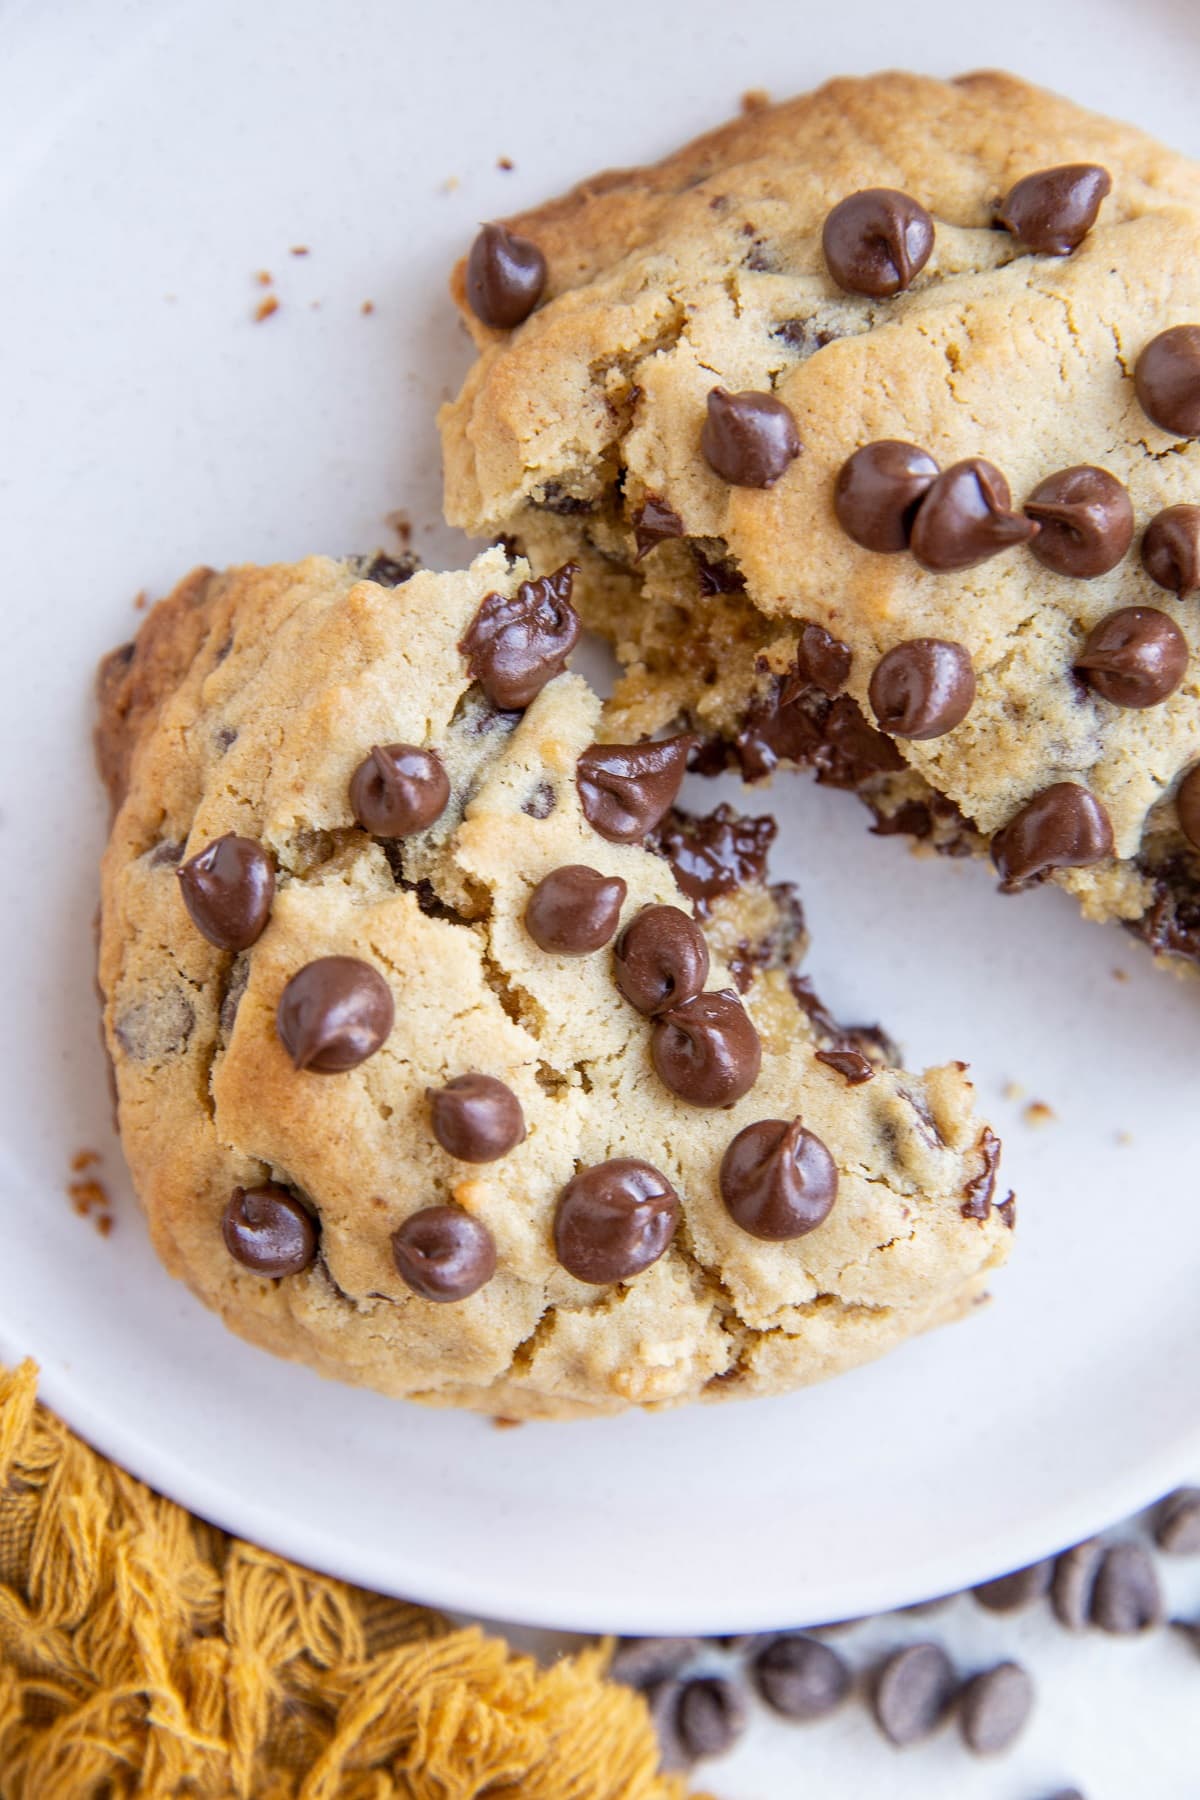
(144, 1653)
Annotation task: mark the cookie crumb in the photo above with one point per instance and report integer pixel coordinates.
(504, 1424)
(1124, 1137)
(1013, 1091)
(89, 1198)
(265, 278)
(1038, 1113)
(84, 1159)
(265, 308)
(401, 524)
(1120, 974)
(367, 308)
(299, 250)
(450, 184)
(141, 600)
(506, 163)
(754, 100)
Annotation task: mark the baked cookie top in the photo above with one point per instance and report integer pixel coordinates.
(452, 1059)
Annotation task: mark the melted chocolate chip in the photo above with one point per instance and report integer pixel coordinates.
(715, 854)
(654, 522)
(778, 1181)
(851, 1065)
(923, 688)
(878, 492)
(877, 242)
(515, 646)
(1171, 549)
(977, 1202)
(266, 1229)
(506, 275)
(719, 577)
(333, 1014)
(1167, 379)
(574, 910)
(391, 571)
(1086, 520)
(228, 888)
(443, 1253)
(1171, 922)
(799, 723)
(1135, 657)
(614, 1220)
(1187, 806)
(624, 789)
(398, 789)
(966, 517)
(476, 1118)
(661, 959)
(821, 660)
(749, 439)
(1052, 211)
(706, 1050)
(1063, 827)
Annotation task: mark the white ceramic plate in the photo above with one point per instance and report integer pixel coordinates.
(154, 157)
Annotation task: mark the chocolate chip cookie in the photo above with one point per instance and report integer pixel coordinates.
(871, 421)
(454, 1059)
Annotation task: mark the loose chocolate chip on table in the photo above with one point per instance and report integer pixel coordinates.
(877, 241)
(1086, 519)
(1012, 1593)
(878, 491)
(515, 646)
(1167, 379)
(706, 1050)
(613, 1220)
(334, 1013)
(922, 688)
(1171, 549)
(1187, 806)
(228, 888)
(1126, 1597)
(967, 516)
(912, 1692)
(749, 439)
(505, 277)
(643, 1662)
(1074, 1578)
(266, 1229)
(1063, 827)
(1052, 211)
(398, 789)
(476, 1118)
(994, 1708)
(712, 855)
(574, 910)
(654, 522)
(442, 1253)
(1177, 1524)
(1135, 657)
(851, 1065)
(624, 789)
(710, 1716)
(778, 1181)
(661, 959)
(800, 1677)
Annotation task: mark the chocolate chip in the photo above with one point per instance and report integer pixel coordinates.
(266, 1229)
(1052, 211)
(574, 910)
(661, 959)
(821, 659)
(505, 277)
(541, 802)
(912, 1692)
(800, 1677)
(1086, 520)
(1074, 1577)
(151, 1030)
(749, 439)
(1171, 549)
(443, 1253)
(654, 522)
(878, 491)
(476, 1118)
(922, 688)
(613, 1220)
(710, 1716)
(994, 1708)
(1135, 657)
(717, 576)
(228, 888)
(624, 789)
(167, 854)
(515, 646)
(1177, 1525)
(1063, 827)
(644, 1662)
(1167, 379)
(398, 789)
(391, 571)
(1126, 1597)
(333, 1014)
(877, 241)
(977, 1202)
(966, 517)
(236, 982)
(713, 855)
(851, 1065)
(706, 1050)
(1012, 1593)
(778, 1181)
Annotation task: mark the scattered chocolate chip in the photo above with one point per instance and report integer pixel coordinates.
(476, 1118)
(398, 789)
(710, 1716)
(574, 910)
(267, 1230)
(912, 1692)
(506, 275)
(661, 959)
(334, 1013)
(706, 1050)
(515, 646)
(643, 1662)
(1171, 549)
(715, 854)
(1167, 379)
(1135, 657)
(1086, 520)
(748, 439)
(966, 517)
(1052, 211)
(1012, 1593)
(1074, 1577)
(228, 888)
(877, 242)
(977, 1202)
(151, 1030)
(654, 522)
(994, 1708)
(443, 1253)
(1177, 1524)
(922, 688)
(878, 491)
(613, 1220)
(624, 789)
(778, 1181)
(851, 1065)
(821, 659)
(1063, 827)
(1126, 1597)
(800, 1677)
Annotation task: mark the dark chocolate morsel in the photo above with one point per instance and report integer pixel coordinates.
(443, 1253)
(1126, 1596)
(994, 1708)
(574, 910)
(1177, 1523)
(706, 1050)
(1052, 211)
(334, 1013)
(1063, 827)
(850, 1064)
(710, 1716)
(1187, 806)
(515, 646)
(749, 439)
(1074, 1578)
(505, 277)
(1014, 1592)
(878, 491)
(661, 959)
(800, 1677)
(778, 1181)
(398, 789)
(228, 888)
(476, 1118)
(624, 789)
(266, 1229)
(922, 688)
(1135, 657)
(967, 516)
(715, 853)
(877, 241)
(1086, 520)
(1171, 549)
(642, 1662)
(653, 523)
(1167, 379)
(613, 1220)
(912, 1692)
